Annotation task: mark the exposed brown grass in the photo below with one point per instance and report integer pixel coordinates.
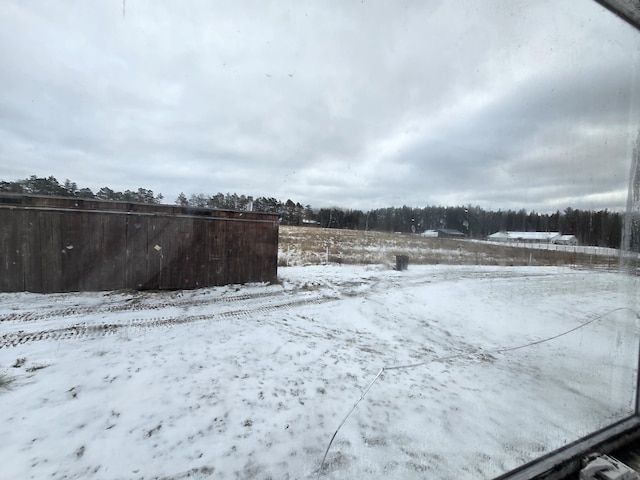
(6, 381)
(309, 246)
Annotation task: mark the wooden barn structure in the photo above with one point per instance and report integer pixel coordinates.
(51, 244)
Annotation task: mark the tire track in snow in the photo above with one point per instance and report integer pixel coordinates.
(83, 330)
(130, 306)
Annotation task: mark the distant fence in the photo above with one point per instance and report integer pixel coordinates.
(586, 249)
(50, 244)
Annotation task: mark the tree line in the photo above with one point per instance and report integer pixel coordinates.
(601, 228)
(50, 186)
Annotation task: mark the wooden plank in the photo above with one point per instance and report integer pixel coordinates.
(69, 225)
(230, 237)
(48, 230)
(95, 259)
(190, 252)
(180, 237)
(30, 239)
(169, 243)
(105, 242)
(145, 207)
(198, 251)
(121, 249)
(182, 256)
(109, 250)
(107, 265)
(265, 246)
(268, 241)
(273, 256)
(249, 253)
(171, 277)
(157, 244)
(233, 239)
(26, 241)
(12, 250)
(89, 249)
(137, 255)
(216, 250)
(8, 230)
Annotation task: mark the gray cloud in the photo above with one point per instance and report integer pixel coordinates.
(353, 104)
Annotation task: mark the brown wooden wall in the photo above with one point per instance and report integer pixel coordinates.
(62, 245)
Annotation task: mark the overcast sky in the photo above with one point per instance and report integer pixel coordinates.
(358, 104)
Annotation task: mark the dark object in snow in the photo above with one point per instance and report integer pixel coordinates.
(402, 262)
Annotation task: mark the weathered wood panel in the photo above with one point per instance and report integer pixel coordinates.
(57, 245)
(216, 232)
(45, 235)
(266, 244)
(31, 246)
(137, 252)
(11, 243)
(198, 274)
(233, 246)
(72, 250)
(114, 250)
(159, 248)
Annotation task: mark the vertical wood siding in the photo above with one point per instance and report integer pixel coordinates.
(61, 245)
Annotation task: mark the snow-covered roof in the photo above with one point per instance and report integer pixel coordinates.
(451, 231)
(524, 236)
(444, 231)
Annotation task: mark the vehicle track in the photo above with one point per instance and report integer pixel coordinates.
(102, 329)
(130, 306)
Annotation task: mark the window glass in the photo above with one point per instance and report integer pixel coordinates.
(490, 147)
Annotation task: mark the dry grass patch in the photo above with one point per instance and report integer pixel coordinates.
(313, 246)
(6, 381)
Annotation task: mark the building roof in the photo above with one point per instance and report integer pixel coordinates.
(524, 236)
(443, 231)
(452, 232)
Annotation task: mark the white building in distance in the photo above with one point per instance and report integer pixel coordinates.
(533, 237)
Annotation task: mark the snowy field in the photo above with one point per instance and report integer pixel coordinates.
(250, 382)
(299, 246)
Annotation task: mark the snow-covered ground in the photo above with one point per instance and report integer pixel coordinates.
(252, 381)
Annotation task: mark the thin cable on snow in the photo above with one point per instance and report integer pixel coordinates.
(456, 356)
